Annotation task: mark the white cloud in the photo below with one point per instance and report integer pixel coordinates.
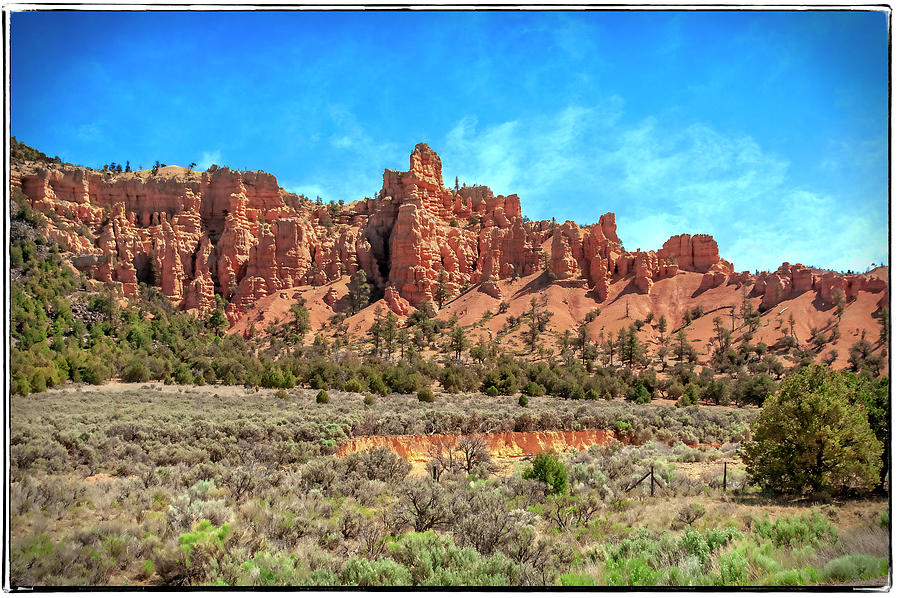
(90, 132)
(663, 180)
(207, 159)
(310, 190)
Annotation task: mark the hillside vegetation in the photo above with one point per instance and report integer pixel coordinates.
(150, 446)
(183, 485)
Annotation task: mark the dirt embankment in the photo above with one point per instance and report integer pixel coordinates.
(502, 446)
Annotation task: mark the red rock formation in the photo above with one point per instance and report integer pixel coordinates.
(331, 297)
(237, 234)
(696, 253)
(419, 448)
(646, 267)
(565, 244)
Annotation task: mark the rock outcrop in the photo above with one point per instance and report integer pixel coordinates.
(790, 280)
(237, 234)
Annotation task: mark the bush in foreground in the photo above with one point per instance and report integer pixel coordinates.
(810, 437)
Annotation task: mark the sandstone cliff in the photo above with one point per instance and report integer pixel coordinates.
(239, 235)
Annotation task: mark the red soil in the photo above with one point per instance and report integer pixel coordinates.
(508, 445)
(569, 301)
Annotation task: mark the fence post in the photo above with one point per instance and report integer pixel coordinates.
(652, 480)
(725, 478)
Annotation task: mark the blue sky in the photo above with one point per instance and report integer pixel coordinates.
(767, 130)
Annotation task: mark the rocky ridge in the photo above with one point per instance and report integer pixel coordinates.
(239, 235)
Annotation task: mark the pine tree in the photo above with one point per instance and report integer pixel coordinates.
(375, 331)
(440, 292)
(537, 324)
(300, 319)
(884, 317)
(682, 349)
(458, 341)
(582, 340)
(358, 292)
(389, 333)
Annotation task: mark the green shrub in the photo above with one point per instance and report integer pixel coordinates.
(136, 371)
(549, 469)
(694, 543)
(690, 396)
(576, 579)
(639, 394)
(369, 399)
(885, 520)
(377, 385)
(805, 529)
(732, 569)
(855, 566)
(267, 569)
(425, 395)
(322, 397)
(435, 560)
(592, 395)
(809, 437)
(20, 384)
(182, 375)
(523, 401)
(492, 391)
(630, 572)
(532, 389)
(354, 385)
(793, 577)
(202, 550)
(321, 577)
(382, 572)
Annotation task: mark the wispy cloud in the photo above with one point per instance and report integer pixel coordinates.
(209, 158)
(90, 132)
(662, 180)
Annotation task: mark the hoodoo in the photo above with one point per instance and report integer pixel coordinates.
(239, 235)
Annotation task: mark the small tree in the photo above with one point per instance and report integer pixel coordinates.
(550, 470)
(300, 319)
(389, 327)
(440, 292)
(479, 352)
(358, 292)
(810, 437)
(582, 340)
(376, 331)
(422, 504)
(425, 395)
(863, 357)
(217, 321)
(458, 341)
(474, 454)
(884, 318)
(537, 323)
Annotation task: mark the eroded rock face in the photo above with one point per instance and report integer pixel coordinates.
(790, 280)
(239, 235)
(696, 253)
